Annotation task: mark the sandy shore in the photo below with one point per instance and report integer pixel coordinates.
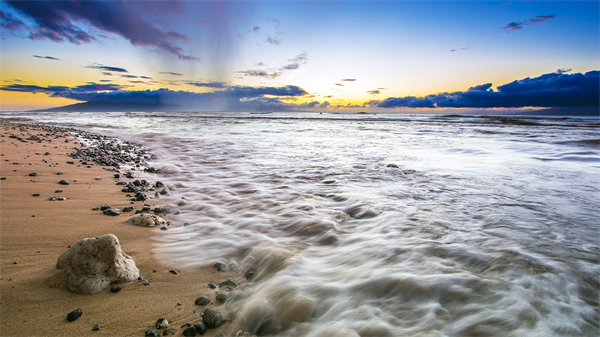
(34, 231)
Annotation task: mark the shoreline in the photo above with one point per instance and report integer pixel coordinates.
(34, 231)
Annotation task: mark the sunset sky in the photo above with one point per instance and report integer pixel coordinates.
(301, 55)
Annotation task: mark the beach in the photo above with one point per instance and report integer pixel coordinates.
(35, 230)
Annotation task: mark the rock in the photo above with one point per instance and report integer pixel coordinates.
(212, 285)
(146, 220)
(242, 333)
(159, 184)
(115, 289)
(52, 198)
(166, 209)
(152, 333)
(128, 209)
(212, 318)
(202, 300)
(59, 173)
(105, 207)
(150, 169)
(33, 174)
(73, 315)
(189, 332)
(227, 285)
(200, 328)
(35, 195)
(64, 182)
(94, 263)
(96, 328)
(117, 175)
(129, 175)
(58, 191)
(220, 266)
(112, 211)
(221, 297)
(162, 323)
(249, 274)
(173, 271)
(164, 191)
(146, 208)
(61, 198)
(169, 331)
(95, 208)
(98, 178)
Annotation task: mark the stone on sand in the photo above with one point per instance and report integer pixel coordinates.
(94, 263)
(147, 220)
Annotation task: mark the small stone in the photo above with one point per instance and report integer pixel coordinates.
(58, 191)
(250, 273)
(162, 323)
(212, 285)
(33, 174)
(112, 211)
(61, 198)
(73, 315)
(163, 228)
(212, 318)
(221, 298)
(129, 175)
(152, 333)
(220, 266)
(98, 178)
(128, 209)
(200, 328)
(173, 271)
(95, 208)
(146, 283)
(189, 332)
(105, 207)
(35, 195)
(59, 173)
(202, 300)
(169, 331)
(227, 284)
(95, 328)
(64, 182)
(52, 198)
(159, 184)
(115, 289)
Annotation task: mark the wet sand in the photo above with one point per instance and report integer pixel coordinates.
(34, 231)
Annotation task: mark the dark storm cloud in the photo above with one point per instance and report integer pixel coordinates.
(563, 70)
(59, 90)
(107, 68)
(56, 21)
(46, 57)
(548, 90)
(9, 22)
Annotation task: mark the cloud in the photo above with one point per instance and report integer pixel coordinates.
(259, 73)
(325, 104)
(348, 80)
(373, 92)
(9, 22)
(518, 25)
(292, 66)
(300, 58)
(170, 73)
(548, 90)
(256, 29)
(106, 68)
(59, 90)
(274, 40)
(340, 85)
(129, 76)
(58, 21)
(563, 70)
(146, 77)
(215, 85)
(46, 57)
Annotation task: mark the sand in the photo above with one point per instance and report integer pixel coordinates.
(34, 231)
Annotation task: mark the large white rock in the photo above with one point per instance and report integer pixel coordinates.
(147, 220)
(94, 263)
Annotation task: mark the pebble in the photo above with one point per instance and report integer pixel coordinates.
(173, 271)
(212, 285)
(95, 208)
(202, 300)
(61, 198)
(112, 211)
(227, 285)
(64, 182)
(35, 195)
(59, 173)
(200, 328)
(162, 323)
(52, 198)
(33, 174)
(98, 178)
(212, 318)
(58, 191)
(169, 331)
(152, 333)
(95, 328)
(220, 266)
(128, 209)
(189, 332)
(73, 315)
(221, 297)
(115, 289)
(105, 207)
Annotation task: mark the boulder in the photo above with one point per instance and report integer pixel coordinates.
(94, 263)
(147, 220)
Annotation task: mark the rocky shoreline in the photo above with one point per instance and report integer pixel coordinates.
(80, 155)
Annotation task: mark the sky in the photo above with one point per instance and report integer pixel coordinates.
(301, 55)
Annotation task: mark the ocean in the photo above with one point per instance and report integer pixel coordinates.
(381, 224)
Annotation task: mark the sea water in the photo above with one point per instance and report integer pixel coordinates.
(381, 224)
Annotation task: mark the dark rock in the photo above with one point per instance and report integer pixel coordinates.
(212, 285)
(33, 174)
(35, 195)
(164, 209)
(189, 332)
(212, 318)
(220, 266)
(95, 208)
(117, 175)
(162, 323)
(115, 289)
(73, 315)
(249, 275)
(137, 182)
(229, 283)
(121, 183)
(159, 184)
(146, 283)
(96, 328)
(105, 207)
(200, 328)
(146, 208)
(139, 196)
(163, 228)
(128, 209)
(58, 191)
(52, 198)
(138, 211)
(186, 325)
(221, 297)
(164, 191)
(202, 300)
(169, 331)
(173, 271)
(59, 173)
(61, 198)
(112, 211)
(63, 182)
(150, 169)
(125, 190)
(152, 333)
(129, 175)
